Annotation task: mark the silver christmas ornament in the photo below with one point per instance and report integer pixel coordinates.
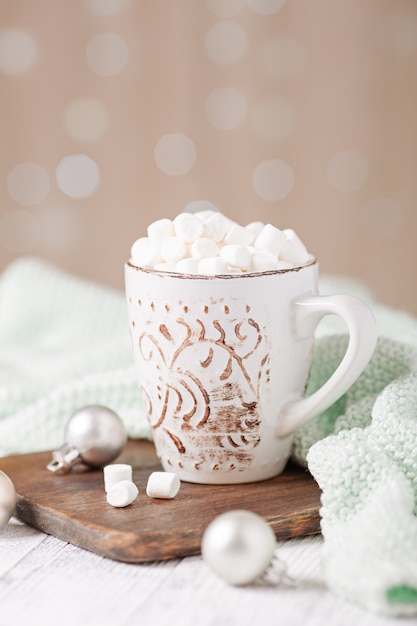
(94, 435)
(238, 546)
(7, 499)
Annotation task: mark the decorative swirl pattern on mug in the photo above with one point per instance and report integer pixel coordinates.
(207, 389)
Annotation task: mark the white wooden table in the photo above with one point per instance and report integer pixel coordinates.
(46, 581)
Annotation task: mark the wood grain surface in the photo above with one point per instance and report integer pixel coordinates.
(73, 507)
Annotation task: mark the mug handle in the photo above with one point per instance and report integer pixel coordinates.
(361, 324)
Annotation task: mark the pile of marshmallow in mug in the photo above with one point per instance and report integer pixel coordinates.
(209, 243)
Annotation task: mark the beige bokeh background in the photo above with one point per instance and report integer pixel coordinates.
(115, 113)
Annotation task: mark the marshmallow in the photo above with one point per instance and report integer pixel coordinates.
(188, 227)
(263, 261)
(122, 493)
(239, 235)
(114, 473)
(165, 267)
(203, 248)
(284, 265)
(270, 238)
(163, 485)
(145, 252)
(173, 249)
(161, 230)
(293, 250)
(206, 242)
(236, 256)
(216, 226)
(187, 266)
(212, 266)
(204, 215)
(255, 227)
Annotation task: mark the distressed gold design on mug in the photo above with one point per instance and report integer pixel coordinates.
(222, 423)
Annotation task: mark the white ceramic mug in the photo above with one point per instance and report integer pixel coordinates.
(223, 362)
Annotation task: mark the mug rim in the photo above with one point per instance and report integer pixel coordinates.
(148, 270)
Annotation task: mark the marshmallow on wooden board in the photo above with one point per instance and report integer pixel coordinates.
(173, 249)
(145, 252)
(187, 266)
(236, 256)
(239, 235)
(270, 238)
(122, 493)
(163, 485)
(188, 227)
(212, 266)
(114, 473)
(160, 230)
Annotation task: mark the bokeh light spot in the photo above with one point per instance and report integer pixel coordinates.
(225, 108)
(226, 42)
(199, 205)
(19, 231)
(61, 228)
(347, 171)
(283, 57)
(105, 7)
(273, 179)
(273, 119)
(18, 51)
(107, 54)
(86, 119)
(28, 183)
(266, 7)
(175, 154)
(78, 176)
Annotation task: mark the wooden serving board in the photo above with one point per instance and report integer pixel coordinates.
(73, 507)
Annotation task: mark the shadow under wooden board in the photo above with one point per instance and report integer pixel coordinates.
(73, 507)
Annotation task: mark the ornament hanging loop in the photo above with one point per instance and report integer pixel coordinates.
(276, 574)
(64, 459)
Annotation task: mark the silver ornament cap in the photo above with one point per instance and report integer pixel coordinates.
(238, 546)
(7, 499)
(94, 435)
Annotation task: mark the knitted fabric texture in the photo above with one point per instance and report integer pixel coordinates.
(363, 454)
(65, 343)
